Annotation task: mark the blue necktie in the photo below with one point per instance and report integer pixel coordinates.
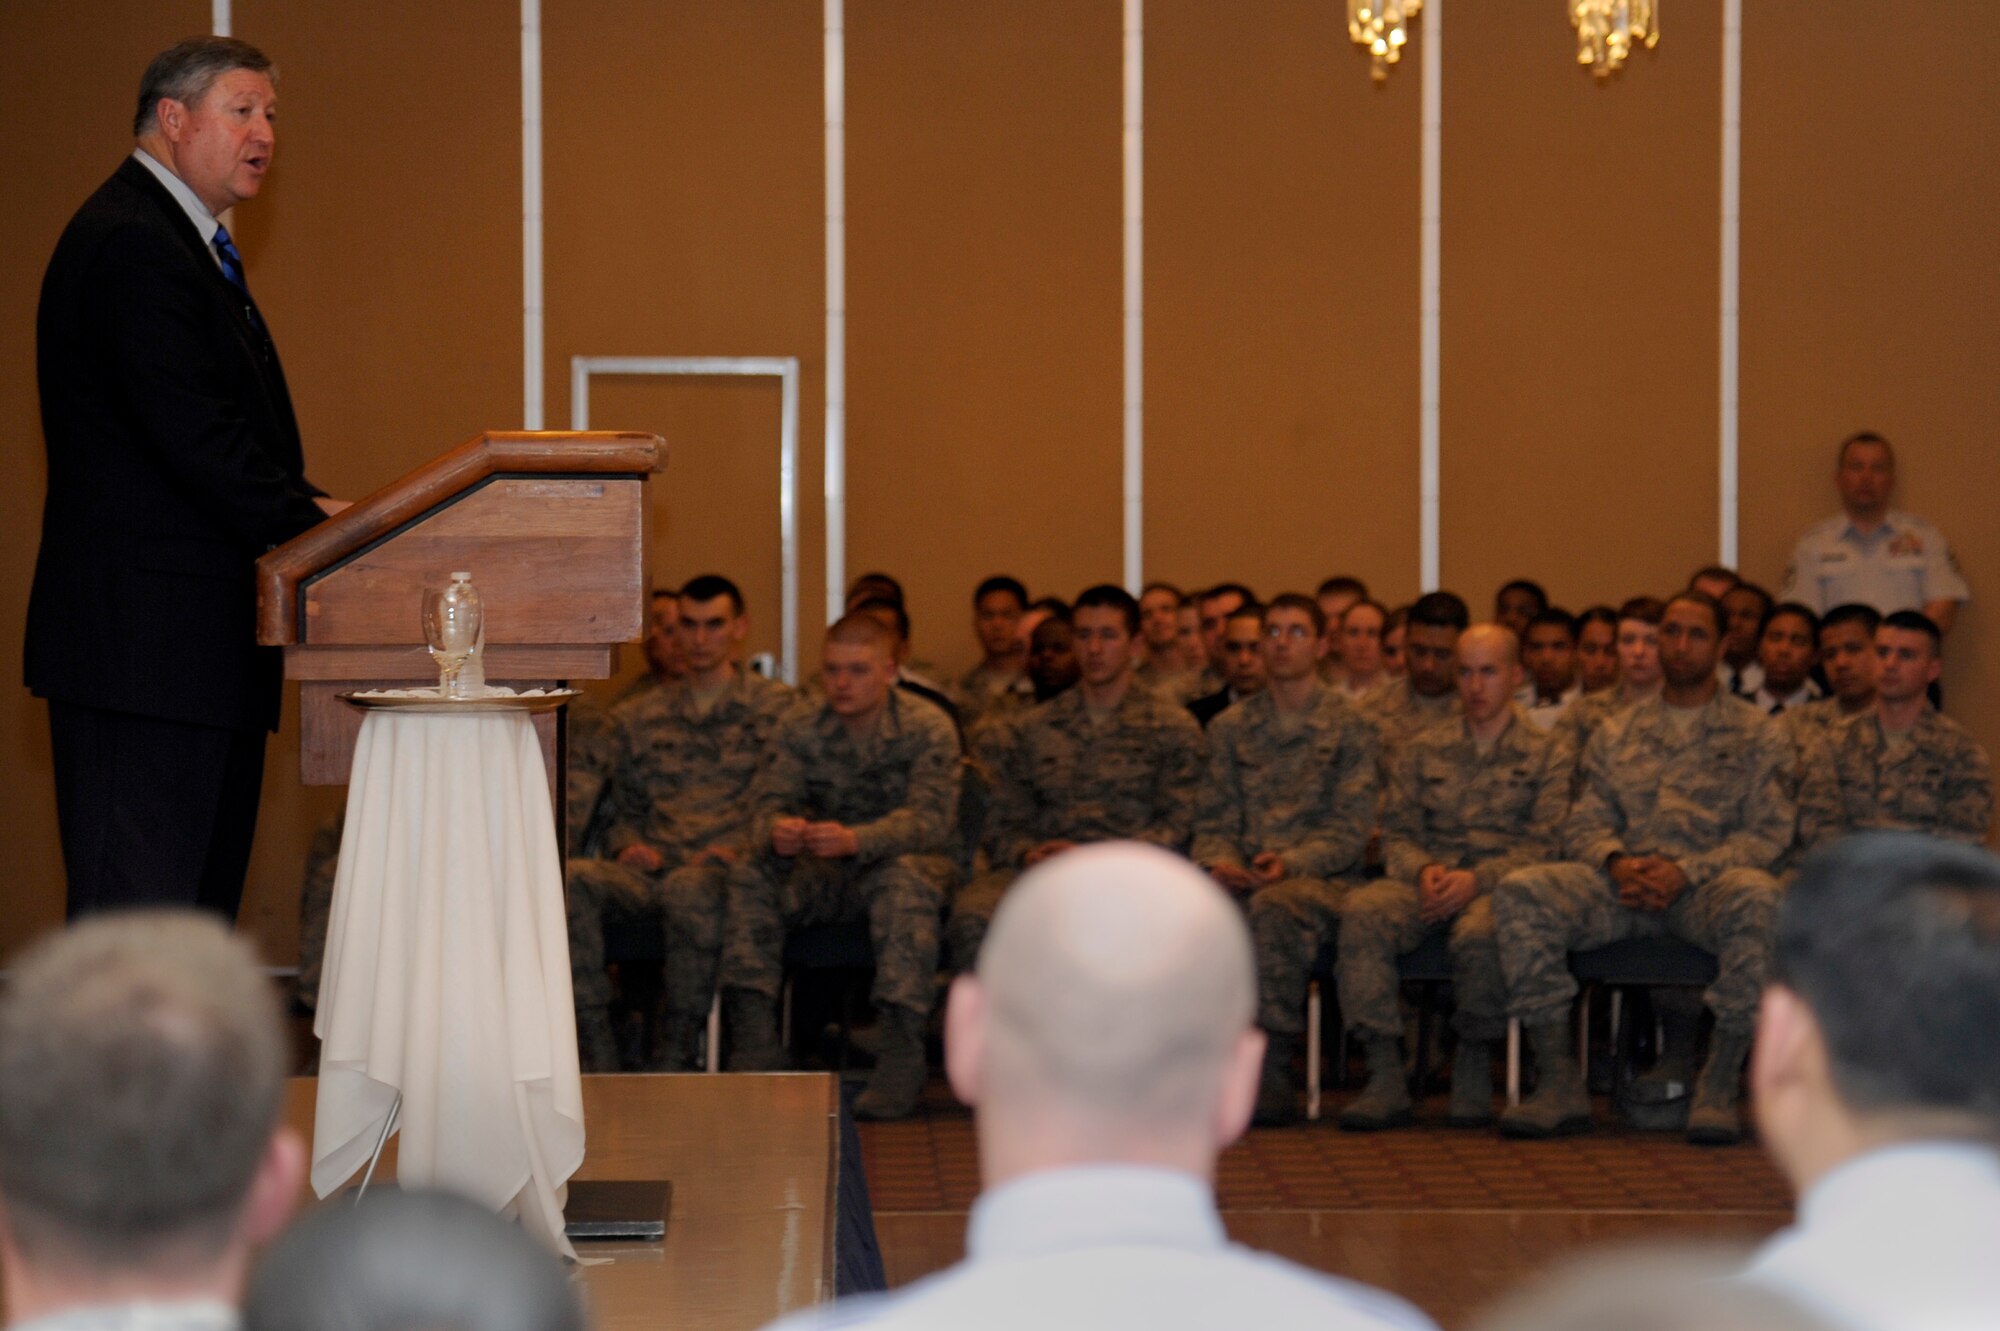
(232, 268)
(232, 262)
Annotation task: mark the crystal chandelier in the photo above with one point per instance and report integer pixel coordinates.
(1383, 28)
(1606, 31)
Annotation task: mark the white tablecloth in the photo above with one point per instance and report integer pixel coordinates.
(447, 970)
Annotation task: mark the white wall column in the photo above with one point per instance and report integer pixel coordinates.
(1135, 304)
(835, 77)
(532, 390)
(1732, 209)
(1430, 210)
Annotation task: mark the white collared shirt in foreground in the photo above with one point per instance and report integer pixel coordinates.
(1110, 1246)
(1906, 1238)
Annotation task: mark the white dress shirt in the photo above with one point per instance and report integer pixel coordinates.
(1109, 1246)
(1543, 713)
(140, 1315)
(1743, 681)
(190, 202)
(1771, 704)
(1906, 1238)
(1904, 564)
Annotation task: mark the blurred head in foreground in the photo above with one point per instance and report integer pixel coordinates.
(1109, 1019)
(142, 1068)
(409, 1261)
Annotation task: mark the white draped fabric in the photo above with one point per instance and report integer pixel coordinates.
(447, 970)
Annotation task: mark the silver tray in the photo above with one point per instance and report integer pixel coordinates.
(419, 705)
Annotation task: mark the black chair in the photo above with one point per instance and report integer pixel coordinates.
(1625, 964)
(1428, 966)
(842, 953)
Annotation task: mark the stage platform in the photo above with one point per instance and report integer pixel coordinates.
(753, 1160)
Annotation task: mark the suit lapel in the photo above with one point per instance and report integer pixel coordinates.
(258, 349)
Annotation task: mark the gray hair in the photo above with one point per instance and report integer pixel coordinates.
(409, 1261)
(185, 72)
(142, 1064)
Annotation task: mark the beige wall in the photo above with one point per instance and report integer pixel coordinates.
(683, 217)
(1871, 180)
(1281, 301)
(52, 84)
(1579, 309)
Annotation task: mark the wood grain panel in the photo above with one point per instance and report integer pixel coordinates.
(555, 561)
(753, 1158)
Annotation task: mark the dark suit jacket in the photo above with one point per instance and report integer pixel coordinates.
(174, 462)
(1209, 706)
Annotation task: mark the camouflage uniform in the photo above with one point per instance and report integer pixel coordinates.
(1935, 779)
(1173, 681)
(316, 903)
(643, 685)
(1303, 788)
(1821, 716)
(1717, 802)
(678, 784)
(980, 689)
(1062, 773)
(1400, 712)
(1581, 719)
(897, 790)
(1450, 804)
(591, 751)
(1812, 731)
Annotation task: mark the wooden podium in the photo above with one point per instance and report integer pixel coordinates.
(552, 527)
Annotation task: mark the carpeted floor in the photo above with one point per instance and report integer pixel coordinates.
(929, 1162)
(1449, 1219)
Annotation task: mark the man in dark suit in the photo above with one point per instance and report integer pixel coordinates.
(174, 461)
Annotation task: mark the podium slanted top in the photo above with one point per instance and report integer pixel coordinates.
(552, 525)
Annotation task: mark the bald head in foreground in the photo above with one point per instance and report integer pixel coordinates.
(1107, 1048)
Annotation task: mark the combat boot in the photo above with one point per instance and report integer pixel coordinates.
(1278, 1090)
(596, 1047)
(1559, 1106)
(1712, 1118)
(1471, 1085)
(1385, 1101)
(900, 1069)
(750, 1025)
